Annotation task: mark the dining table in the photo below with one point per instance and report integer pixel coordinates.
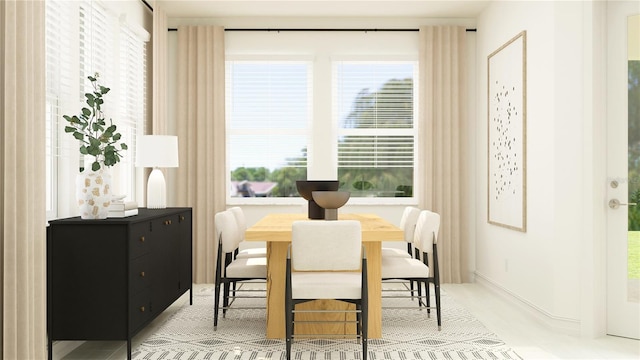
(275, 230)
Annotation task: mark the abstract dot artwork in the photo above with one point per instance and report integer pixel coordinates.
(506, 103)
(505, 145)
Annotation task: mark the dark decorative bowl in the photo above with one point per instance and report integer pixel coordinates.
(307, 187)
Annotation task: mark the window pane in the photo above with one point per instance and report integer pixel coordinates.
(268, 110)
(133, 95)
(267, 95)
(376, 127)
(59, 80)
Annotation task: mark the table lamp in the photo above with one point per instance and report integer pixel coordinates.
(156, 151)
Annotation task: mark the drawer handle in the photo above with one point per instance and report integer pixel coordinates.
(141, 238)
(167, 222)
(141, 273)
(141, 308)
(181, 217)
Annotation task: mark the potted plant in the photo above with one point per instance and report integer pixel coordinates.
(100, 140)
(90, 128)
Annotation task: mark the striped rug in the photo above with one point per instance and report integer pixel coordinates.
(407, 334)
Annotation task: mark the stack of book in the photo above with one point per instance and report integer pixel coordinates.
(120, 209)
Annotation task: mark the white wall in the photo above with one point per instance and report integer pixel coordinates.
(543, 267)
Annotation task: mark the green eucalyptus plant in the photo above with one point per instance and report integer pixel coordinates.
(90, 128)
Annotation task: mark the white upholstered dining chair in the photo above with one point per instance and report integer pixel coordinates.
(408, 225)
(259, 251)
(231, 270)
(423, 270)
(326, 260)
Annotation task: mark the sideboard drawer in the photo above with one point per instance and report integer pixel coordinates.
(140, 239)
(140, 311)
(140, 274)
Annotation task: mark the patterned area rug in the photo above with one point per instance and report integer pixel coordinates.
(407, 334)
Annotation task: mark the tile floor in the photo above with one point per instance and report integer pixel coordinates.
(521, 331)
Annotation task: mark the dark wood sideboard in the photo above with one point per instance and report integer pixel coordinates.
(107, 279)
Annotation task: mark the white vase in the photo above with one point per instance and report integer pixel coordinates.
(93, 193)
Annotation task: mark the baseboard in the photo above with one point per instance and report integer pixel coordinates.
(558, 324)
(64, 348)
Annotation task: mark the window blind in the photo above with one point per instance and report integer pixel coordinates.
(133, 95)
(268, 115)
(372, 151)
(268, 112)
(376, 135)
(96, 44)
(374, 95)
(82, 38)
(58, 42)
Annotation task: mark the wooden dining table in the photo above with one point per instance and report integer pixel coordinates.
(275, 230)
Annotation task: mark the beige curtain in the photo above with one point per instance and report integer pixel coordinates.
(443, 123)
(160, 73)
(201, 136)
(22, 179)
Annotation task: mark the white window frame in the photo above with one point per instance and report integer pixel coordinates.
(324, 49)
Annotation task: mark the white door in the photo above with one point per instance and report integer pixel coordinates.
(623, 166)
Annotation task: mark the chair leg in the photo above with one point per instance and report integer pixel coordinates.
(427, 286)
(225, 302)
(359, 320)
(216, 305)
(365, 329)
(437, 288)
(216, 300)
(436, 284)
(288, 308)
(288, 325)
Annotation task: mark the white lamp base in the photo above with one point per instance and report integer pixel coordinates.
(156, 190)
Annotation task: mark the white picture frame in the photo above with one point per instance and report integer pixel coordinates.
(506, 116)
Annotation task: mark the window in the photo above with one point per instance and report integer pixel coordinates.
(268, 110)
(82, 38)
(60, 47)
(345, 112)
(375, 112)
(133, 95)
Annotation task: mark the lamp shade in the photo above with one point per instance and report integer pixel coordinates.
(157, 151)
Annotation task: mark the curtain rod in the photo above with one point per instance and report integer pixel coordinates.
(299, 29)
(147, 5)
(278, 30)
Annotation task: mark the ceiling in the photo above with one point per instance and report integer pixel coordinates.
(322, 8)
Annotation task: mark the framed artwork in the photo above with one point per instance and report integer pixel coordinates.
(507, 145)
